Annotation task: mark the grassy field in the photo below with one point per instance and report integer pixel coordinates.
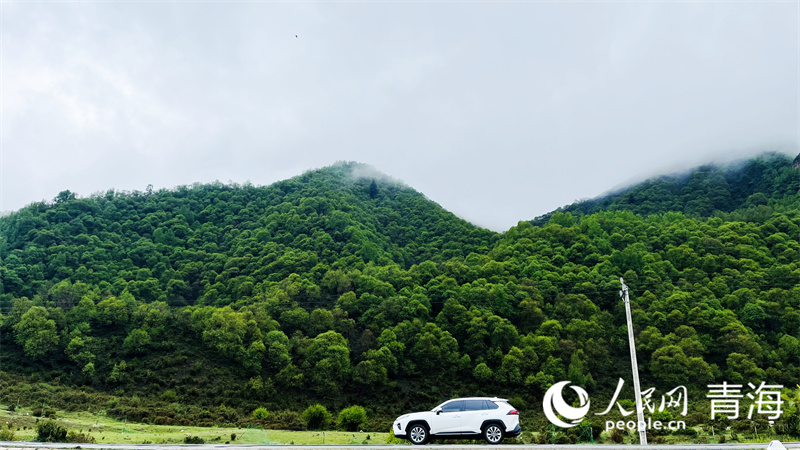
(110, 431)
(106, 430)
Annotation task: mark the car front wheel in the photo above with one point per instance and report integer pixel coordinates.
(418, 434)
(493, 434)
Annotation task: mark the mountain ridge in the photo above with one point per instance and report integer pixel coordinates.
(326, 207)
(713, 188)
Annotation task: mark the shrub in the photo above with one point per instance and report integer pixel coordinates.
(561, 438)
(193, 440)
(316, 417)
(689, 431)
(39, 412)
(378, 423)
(390, 439)
(227, 413)
(287, 420)
(79, 438)
(789, 422)
(616, 436)
(595, 427)
(50, 431)
(170, 396)
(233, 437)
(664, 417)
(261, 414)
(7, 433)
(351, 418)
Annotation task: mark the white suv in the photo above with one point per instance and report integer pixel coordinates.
(490, 417)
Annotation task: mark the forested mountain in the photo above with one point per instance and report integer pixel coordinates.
(704, 191)
(215, 243)
(341, 286)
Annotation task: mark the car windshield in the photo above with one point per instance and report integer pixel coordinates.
(439, 406)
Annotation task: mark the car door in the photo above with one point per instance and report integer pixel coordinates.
(448, 419)
(473, 416)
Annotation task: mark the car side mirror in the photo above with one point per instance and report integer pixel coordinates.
(438, 411)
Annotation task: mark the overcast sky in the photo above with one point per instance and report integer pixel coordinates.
(500, 112)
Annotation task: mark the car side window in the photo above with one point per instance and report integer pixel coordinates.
(474, 405)
(490, 405)
(455, 406)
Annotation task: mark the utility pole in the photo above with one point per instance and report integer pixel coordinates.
(637, 391)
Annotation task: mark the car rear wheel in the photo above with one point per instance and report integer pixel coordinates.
(493, 434)
(418, 434)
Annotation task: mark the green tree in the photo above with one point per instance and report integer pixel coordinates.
(327, 362)
(517, 365)
(64, 197)
(89, 370)
(373, 189)
(670, 365)
(277, 350)
(36, 332)
(253, 357)
(225, 332)
(114, 311)
(742, 369)
(434, 350)
(578, 371)
(137, 341)
(482, 373)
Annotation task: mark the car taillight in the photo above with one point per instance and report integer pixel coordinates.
(513, 412)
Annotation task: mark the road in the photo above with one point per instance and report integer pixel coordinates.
(42, 445)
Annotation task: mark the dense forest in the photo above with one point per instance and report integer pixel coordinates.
(342, 286)
(703, 192)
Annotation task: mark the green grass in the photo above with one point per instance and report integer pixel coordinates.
(106, 430)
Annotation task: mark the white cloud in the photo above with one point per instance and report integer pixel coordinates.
(498, 111)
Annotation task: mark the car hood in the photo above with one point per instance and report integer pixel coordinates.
(417, 415)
